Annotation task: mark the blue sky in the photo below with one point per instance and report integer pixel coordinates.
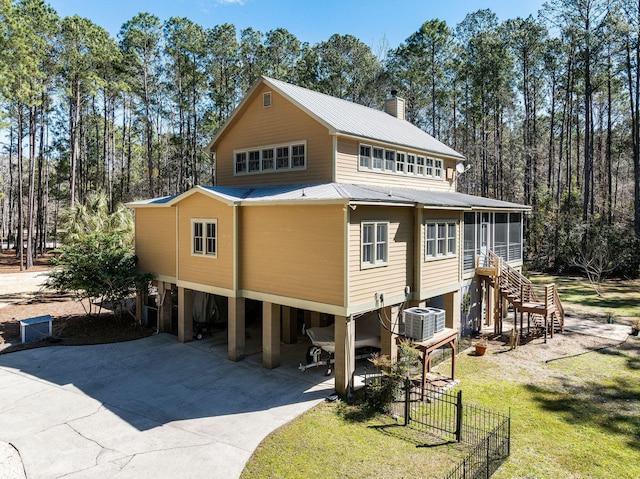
(374, 21)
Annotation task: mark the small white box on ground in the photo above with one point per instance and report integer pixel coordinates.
(35, 329)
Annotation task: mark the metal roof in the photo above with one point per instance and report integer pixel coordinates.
(348, 118)
(339, 193)
(353, 119)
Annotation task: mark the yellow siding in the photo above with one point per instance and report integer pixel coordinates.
(293, 251)
(398, 273)
(203, 269)
(347, 160)
(156, 240)
(439, 273)
(283, 122)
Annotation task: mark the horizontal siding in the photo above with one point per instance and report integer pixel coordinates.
(347, 160)
(441, 272)
(283, 122)
(201, 269)
(156, 240)
(293, 251)
(398, 273)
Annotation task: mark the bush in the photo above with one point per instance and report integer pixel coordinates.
(100, 268)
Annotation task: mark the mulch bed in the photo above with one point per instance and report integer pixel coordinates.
(71, 324)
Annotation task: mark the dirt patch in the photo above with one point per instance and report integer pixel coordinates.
(71, 323)
(10, 264)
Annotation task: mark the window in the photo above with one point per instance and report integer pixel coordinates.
(204, 235)
(440, 239)
(241, 162)
(430, 243)
(438, 169)
(429, 171)
(389, 160)
(365, 156)
(297, 156)
(374, 243)
(400, 163)
(411, 164)
(282, 157)
(267, 160)
(254, 161)
(378, 155)
(266, 99)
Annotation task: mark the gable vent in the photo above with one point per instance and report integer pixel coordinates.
(266, 99)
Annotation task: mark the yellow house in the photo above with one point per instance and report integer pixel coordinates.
(326, 207)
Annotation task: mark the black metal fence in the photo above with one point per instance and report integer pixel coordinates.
(433, 410)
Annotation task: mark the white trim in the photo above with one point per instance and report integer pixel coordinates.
(374, 263)
(205, 288)
(204, 222)
(294, 302)
(436, 223)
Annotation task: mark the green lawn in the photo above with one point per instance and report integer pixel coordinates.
(622, 297)
(577, 417)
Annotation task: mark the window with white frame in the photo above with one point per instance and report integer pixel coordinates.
(438, 169)
(297, 156)
(389, 160)
(400, 162)
(254, 161)
(375, 235)
(411, 164)
(204, 237)
(365, 156)
(282, 157)
(378, 156)
(267, 159)
(241, 162)
(396, 162)
(440, 239)
(429, 170)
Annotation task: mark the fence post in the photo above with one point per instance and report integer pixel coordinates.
(407, 401)
(459, 417)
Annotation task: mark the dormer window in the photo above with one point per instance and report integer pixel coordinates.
(266, 99)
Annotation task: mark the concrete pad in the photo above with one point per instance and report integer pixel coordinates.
(615, 332)
(146, 408)
(10, 462)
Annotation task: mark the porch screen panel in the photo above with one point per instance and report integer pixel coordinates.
(469, 241)
(515, 236)
(500, 241)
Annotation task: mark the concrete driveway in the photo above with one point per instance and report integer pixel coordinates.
(148, 408)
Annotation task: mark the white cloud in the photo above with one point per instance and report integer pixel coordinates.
(227, 2)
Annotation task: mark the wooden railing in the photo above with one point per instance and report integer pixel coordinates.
(520, 292)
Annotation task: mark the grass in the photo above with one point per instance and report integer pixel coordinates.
(577, 417)
(622, 297)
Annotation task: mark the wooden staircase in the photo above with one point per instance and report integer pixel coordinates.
(544, 310)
